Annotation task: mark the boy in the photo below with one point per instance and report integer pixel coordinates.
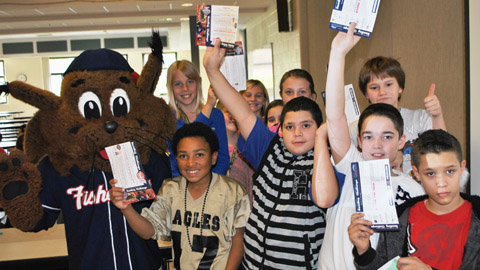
(437, 231)
(382, 80)
(285, 228)
(380, 137)
(202, 212)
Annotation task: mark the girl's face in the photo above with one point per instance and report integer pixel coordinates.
(195, 159)
(255, 98)
(273, 116)
(184, 89)
(298, 131)
(296, 87)
(229, 121)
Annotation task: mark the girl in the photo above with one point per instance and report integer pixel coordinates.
(256, 96)
(184, 86)
(296, 83)
(272, 113)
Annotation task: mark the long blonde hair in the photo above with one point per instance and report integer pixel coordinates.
(191, 72)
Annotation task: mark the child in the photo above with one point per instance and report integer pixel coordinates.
(382, 79)
(185, 97)
(380, 137)
(273, 112)
(202, 212)
(437, 231)
(296, 83)
(285, 228)
(240, 169)
(257, 97)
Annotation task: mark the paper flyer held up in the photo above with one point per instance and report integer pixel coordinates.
(373, 193)
(363, 12)
(214, 22)
(128, 170)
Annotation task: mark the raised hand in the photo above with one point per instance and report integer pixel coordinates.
(213, 57)
(359, 232)
(344, 42)
(432, 104)
(434, 109)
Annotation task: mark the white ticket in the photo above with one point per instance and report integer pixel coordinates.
(128, 170)
(352, 110)
(363, 12)
(373, 193)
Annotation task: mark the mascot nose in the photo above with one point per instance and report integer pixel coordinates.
(111, 126)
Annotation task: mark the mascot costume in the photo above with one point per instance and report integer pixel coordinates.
(64, 166)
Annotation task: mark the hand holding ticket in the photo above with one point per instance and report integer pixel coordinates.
(128, 170)
(363, 12)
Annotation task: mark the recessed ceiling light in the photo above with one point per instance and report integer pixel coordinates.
(106, 9)
(72, 10)
(187, 4)
(39, 12)
(184, 19)
(168, 19)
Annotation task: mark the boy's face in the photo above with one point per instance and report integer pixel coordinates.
(299, 132)
(384, 90)
(379, 139)
(195, 159)
(440, 177)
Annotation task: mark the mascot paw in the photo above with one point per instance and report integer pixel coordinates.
(20, 183)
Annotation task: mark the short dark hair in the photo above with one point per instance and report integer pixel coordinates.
(435, 141)
(302, 104)
(273, 104)
(196, 129)
(300, 73)
(382, 109)
(381, 67)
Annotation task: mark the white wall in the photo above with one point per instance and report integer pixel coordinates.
(474, 96)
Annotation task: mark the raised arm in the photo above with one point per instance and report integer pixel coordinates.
(211, 100)
(324, 184)
(434, 108)
(139, 224)
(338, 133)
(230, 98)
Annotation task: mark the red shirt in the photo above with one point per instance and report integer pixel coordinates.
(438, 240)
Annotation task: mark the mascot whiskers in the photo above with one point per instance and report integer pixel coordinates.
(64, 167)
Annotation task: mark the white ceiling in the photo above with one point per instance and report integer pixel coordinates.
(44, 18)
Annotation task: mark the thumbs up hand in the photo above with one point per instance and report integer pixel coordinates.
(432, 104)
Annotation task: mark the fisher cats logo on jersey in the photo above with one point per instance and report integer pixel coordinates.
(88, 197)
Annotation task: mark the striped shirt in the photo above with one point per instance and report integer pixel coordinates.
(285, 229)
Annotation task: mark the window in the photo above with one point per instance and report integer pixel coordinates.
(168, 59)
(58, 65)
(3, 98)
(57, 68)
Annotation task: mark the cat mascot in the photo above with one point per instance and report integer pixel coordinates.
(64, 167)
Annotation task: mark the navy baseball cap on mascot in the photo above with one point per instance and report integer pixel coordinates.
(64, 167)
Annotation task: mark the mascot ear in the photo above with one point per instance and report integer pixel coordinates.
(153, 68)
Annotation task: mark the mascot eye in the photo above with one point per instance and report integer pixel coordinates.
(90, 106)
(119, 102)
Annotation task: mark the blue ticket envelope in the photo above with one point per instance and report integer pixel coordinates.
(373, 193)
(363, 12)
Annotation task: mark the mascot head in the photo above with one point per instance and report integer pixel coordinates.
(102, 102)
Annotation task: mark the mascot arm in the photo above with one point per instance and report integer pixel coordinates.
(20, 185)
